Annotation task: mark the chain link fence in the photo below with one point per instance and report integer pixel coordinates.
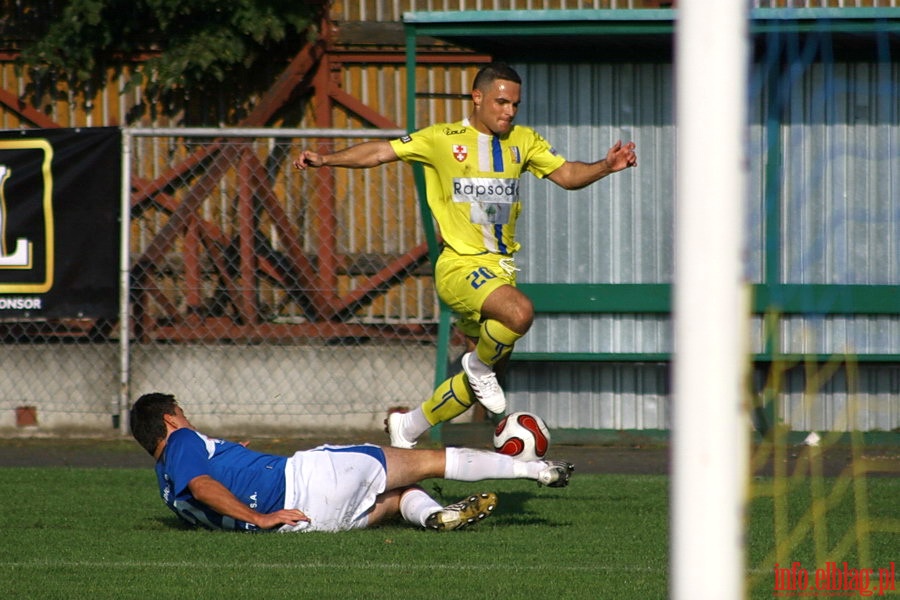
(260, 295)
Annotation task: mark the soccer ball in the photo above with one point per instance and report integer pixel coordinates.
(523, 436)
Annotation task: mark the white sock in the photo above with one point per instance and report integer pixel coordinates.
(416, 506)
(466, 464)
(478, 366)
(413, 424)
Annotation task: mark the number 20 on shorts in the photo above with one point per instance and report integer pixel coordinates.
(479, 277)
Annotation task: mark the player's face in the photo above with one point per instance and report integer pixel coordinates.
(496, 107)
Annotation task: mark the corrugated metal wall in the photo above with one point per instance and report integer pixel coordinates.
(823, 397)
(842, 181)
(588, 396)
(840, 214)
(619, 230)
(616, 231)
(841, 224)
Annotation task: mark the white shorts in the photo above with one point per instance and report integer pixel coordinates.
(335, 486)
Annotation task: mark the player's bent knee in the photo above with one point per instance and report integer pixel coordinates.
(387, 504)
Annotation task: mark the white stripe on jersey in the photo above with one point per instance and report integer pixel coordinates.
(209, 443)
(489, 236)
(486, 165)
(485, 162)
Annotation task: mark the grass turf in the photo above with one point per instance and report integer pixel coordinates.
(104, 533)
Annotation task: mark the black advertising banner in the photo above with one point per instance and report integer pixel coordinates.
(59, 223)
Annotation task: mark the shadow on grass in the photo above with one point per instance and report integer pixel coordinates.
(163, 523)
(512, 507)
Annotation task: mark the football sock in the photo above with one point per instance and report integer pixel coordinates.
(416, 506)
(495, 341)
(451, 399)
(467, 464)
(413, 424)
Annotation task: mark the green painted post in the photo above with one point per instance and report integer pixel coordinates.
(444, 324)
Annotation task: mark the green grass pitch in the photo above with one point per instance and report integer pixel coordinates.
(104, 533)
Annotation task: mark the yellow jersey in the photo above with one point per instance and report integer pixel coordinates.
(472, 180)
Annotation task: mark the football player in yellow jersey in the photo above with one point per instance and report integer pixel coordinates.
(472, 171)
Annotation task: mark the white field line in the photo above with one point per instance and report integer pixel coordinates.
(64, 564)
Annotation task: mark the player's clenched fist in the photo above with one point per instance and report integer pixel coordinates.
(308, 158)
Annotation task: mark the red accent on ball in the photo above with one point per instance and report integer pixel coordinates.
(541, 443)
(512, 447)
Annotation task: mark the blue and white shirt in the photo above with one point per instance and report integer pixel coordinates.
(256, 479)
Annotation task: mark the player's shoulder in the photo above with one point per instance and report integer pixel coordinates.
(437, 134)
(186, 435)
(526, 137)
(446, 129)
(524, 132)
(194, 442)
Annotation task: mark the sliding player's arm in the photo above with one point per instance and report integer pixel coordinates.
(216, 496)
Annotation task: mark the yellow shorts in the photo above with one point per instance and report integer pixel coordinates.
(464, 281)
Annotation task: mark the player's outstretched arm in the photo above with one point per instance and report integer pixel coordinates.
(574, 175)
(219, 498)
(360, 156)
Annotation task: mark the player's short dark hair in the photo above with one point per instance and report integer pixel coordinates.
(146, 419)
(489, 73)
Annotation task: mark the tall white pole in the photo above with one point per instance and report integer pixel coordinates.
(709, 425)
(125, 285)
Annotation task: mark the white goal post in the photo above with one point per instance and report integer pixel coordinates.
(709, 428)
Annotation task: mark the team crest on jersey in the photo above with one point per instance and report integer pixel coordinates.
(515, 155)
(460, 152)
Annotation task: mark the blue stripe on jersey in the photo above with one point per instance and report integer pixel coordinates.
(498, 233)
(497, 154)
(370, 449)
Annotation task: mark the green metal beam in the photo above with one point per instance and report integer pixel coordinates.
(444, 315)
(662, 357)
(599, 297)
(560, 19)
(506, 23)
(656, 298)
(827, 299)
